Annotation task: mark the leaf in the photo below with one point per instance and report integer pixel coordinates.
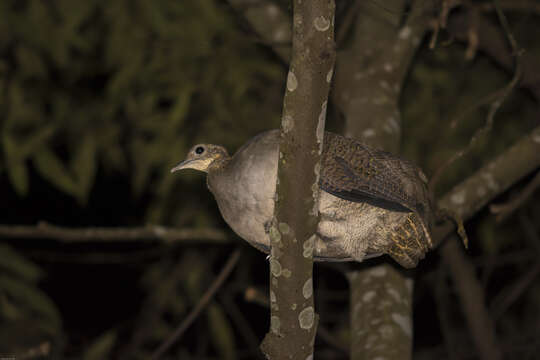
(180, 107)
(83, 166)
(101, 348)
(36, 141)
(18, 265)
(33, 298)
(8, 310)
(221, 333)
(18, 176)
(30, 64)
(51, 168)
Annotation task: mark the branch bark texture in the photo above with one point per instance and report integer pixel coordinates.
(118, 234)
(293, 321)
(369, 77)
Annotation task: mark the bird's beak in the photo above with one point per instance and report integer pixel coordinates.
(181, 165)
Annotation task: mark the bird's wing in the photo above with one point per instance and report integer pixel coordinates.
(358, 173)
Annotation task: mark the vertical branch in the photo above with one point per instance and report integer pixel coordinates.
(293, 321)
(381, 308)
(369, 79)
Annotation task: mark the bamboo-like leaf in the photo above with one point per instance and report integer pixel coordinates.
(83, 166)
(16, 264)
(30, 64)
(101, 348)
(51, 168)
(180, 107)
(36, 141)
(28, 295)
(221, 333)
(18, 176)
(8, 310)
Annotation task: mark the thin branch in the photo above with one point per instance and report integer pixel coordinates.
(44, 230)
(440, 289)
(531, 234)
(185, 324)
(506, 209)
(495, 105)
(465, 200)
(511, 294)
(269, 22)
(472, 194)
(241, 323)
(471, 296)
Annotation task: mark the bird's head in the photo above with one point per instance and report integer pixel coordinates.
(203, 157)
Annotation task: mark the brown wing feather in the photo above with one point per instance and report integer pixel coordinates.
(356, 172)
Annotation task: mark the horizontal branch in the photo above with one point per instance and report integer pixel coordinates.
(465, 199)
(471, 195)
(117, 234)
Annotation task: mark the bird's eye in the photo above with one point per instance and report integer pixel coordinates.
(199, 150)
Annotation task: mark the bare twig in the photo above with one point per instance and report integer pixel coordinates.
(184, 325)
(482, 102)
(506, 209)
(495, 105)
(118, 234)
(241, 323)
(509, 295)
(494, 178)
(531, 234)
(471, 296)
(348, 22)
(441, 293)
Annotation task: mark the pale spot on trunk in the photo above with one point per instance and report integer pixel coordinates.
(292, 82)
(306, 318)
(321, 23)
(404, 323)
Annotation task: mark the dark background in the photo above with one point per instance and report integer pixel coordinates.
(99, 99)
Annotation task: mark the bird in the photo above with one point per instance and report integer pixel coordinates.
(371, 202)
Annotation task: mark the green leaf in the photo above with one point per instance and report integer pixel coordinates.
(30, 64)
(16, 168)
(221, 333)
(8, 310)
(18, 265)
(51, 168)
(36, 141)
(33, 298)
(18, 176)
(180, 108)
(83, 166)
(101, 348)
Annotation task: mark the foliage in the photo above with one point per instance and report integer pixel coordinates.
(124, 86)
(24, 307)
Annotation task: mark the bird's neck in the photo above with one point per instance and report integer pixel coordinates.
(218, 164)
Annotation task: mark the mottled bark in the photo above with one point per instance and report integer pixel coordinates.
(381, 300)
(269, 22)
(466, 199)
(475, 192)
(370, 73)
(293, 322)
(369, 76)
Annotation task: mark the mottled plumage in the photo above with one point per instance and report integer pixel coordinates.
(371, 202)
